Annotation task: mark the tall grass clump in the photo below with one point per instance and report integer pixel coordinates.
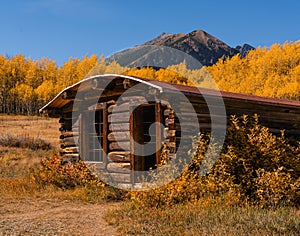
(73, 177)
(24, 141)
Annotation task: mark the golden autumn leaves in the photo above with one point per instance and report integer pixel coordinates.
(26, 84)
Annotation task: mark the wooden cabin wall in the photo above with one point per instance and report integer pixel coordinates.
(170, 130)
(69, 135)
(118, 164)
(275, 117)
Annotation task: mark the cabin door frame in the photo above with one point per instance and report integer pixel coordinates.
(139, 123)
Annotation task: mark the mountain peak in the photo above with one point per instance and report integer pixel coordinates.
(199, 44)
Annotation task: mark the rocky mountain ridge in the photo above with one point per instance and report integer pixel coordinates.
(200, 45)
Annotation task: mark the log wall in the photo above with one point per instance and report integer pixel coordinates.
(118, 163)
(69, 136)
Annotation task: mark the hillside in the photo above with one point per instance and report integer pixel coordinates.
(202, 46)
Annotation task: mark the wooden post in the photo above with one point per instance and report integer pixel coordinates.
(84, 139)
(158, 120)
(104, 134)
(137, 136)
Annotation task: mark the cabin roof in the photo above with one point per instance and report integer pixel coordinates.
(86, 84)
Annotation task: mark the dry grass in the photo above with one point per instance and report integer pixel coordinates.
(200, 219)
(32, 126)
(34, 171)
(20, 168)
(17, 162)
(209, 216)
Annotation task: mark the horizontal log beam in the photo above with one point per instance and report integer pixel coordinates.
(119, 156)
(119, 117)
(119, 146)
(119, 136)
(119, 108)
(69, 95)
(119, 127)
(120, 167)
(69, 150)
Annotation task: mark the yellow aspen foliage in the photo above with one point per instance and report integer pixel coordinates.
(46, 91)
(114, 68)
(26, 84)
(146, 72)
(24, 92)
(165, 75)
(168, 75)
(85, 65)
(34, 74)
(49, 69)
(271, 72)
(99, 68)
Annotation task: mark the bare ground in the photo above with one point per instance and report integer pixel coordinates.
(33, 216)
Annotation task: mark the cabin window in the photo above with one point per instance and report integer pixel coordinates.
(94, 131)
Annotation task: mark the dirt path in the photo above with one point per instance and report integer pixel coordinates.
(53, 217)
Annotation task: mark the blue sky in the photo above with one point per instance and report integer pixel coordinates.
(59, 29)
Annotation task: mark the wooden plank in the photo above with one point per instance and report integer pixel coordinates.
(119, 127)
(105, 132)
(69, 150)
(104, 95)
(158, 120)
(119, 156)
(84, 139)
(134, 98)
(119, 136)
(137, 133)
(66, 134)
(119, 108)
(120, 146)
(245, 104)
(281, 114)
(68, 144)
(199, 108)
(121, 167)
(119, 117)
(75, 135)
(97, 107)
(69, 95)
(131, 129)
(69, 139)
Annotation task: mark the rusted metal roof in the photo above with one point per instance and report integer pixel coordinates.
(58, 102)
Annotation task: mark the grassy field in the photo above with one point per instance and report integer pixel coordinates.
(28, 206)
(203, 219)
(17, 162)
(32, 126)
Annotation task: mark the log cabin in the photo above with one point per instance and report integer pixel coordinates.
(119, 123)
